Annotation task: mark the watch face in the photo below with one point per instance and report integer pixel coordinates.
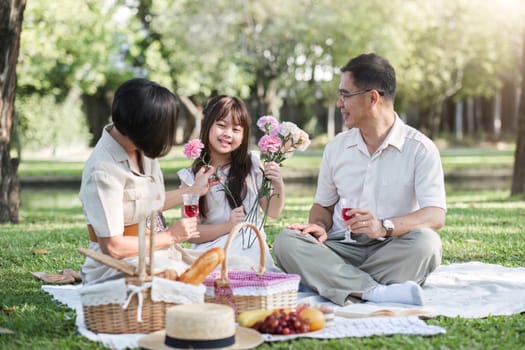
(388, 224)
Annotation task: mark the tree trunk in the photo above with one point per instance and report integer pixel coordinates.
(497, 116)
(508, 107)
(330, 127)
(518, 176)
(11, 16)
(192, 128)
(98, 113)
(470, 117)
(487, 116)
(458, 121)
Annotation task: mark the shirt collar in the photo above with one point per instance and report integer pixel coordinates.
(119, 154)
(114, 148)
(395, 137)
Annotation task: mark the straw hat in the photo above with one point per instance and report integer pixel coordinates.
(201, 326)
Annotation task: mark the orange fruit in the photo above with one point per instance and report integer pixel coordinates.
(315, 316)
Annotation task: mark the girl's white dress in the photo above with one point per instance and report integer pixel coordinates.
(219, 210)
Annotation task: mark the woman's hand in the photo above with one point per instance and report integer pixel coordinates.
(184, 229)
(202, 177)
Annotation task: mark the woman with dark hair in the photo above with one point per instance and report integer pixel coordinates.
(225, 133)
(122, 181)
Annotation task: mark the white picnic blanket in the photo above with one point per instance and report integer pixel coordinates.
(470, 290)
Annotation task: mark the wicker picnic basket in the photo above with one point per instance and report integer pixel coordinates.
(140, 313)
(114, 318)
(250, 290)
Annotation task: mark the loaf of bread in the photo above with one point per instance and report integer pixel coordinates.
(201, 268)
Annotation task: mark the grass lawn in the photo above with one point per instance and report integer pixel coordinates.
(452, 159)
(482, 225)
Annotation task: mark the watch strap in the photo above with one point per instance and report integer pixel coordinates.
(388, 230)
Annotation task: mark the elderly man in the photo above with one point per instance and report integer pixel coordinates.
(394, 174)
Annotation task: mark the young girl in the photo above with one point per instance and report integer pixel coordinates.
(225, 134)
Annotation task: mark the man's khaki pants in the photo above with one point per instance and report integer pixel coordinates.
(336, 269)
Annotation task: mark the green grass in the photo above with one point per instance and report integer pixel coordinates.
(453, 160)
(482, 225)
(468, 158)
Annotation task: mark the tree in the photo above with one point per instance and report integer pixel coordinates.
(281, 59)
(518, 177)
(11, 16)
(70, 46)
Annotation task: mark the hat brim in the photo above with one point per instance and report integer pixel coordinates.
(245, 338)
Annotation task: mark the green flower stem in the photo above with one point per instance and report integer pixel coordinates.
(253, 213)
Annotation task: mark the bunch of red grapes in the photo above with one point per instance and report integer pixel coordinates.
(283, 322)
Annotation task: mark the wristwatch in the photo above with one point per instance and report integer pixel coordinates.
(388, 225)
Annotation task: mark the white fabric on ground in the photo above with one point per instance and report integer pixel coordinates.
(469, 290)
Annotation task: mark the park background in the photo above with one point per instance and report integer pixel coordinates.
(458, 63)
(460, 74)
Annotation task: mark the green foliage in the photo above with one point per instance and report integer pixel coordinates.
(268, 54)
(65, 45)
(46, 122)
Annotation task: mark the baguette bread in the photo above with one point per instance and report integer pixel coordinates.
(201, 268)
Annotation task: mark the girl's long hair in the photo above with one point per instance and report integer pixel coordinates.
(218, 108)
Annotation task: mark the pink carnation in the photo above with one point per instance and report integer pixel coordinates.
(267, 123)
(193, 149)
(269, 143)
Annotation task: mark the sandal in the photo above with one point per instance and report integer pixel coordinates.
(71, 273)
(66, 276)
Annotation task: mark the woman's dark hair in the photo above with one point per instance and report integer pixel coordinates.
(218, 108)
(371, 71)
(147, 114)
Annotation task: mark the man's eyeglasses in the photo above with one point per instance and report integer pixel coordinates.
(345, 94)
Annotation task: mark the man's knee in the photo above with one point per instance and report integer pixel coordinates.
(283, 242)
(427, 244)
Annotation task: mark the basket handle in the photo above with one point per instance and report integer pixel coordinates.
(152, 233)
(120, 265)
(223, 282)
(145, 272)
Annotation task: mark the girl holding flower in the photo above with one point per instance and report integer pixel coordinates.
(223, 144)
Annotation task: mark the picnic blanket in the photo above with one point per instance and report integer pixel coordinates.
(470, 290)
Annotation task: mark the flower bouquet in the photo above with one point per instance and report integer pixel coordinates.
(279, 142)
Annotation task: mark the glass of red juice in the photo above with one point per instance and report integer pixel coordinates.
(348, 204)
(191, 204)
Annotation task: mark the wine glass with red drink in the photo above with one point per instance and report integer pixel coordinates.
(348, 204)
(191, 204)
